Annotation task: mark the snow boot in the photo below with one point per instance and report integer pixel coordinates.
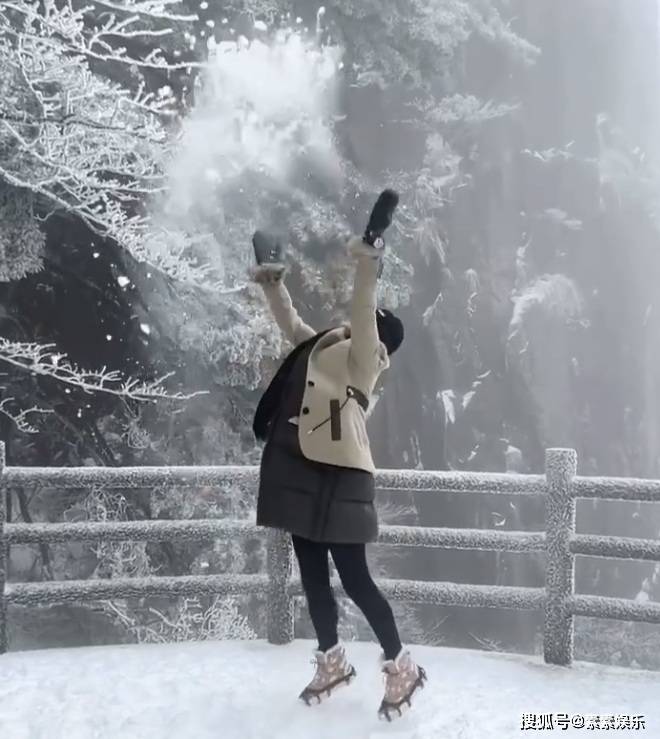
(332, 671)
(402, 679)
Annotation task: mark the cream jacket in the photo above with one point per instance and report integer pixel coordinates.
(332, 423)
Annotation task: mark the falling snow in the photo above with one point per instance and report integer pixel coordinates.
(212, 175)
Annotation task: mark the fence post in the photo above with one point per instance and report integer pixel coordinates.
(4, 561)
(560, 469)
(279, 618)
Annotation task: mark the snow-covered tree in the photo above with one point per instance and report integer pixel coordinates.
(74, 138)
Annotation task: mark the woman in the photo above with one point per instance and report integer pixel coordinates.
(317, 473)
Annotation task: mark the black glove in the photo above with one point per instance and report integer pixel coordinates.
(381, 218)
(268, 249)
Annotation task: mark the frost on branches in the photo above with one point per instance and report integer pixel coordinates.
(76, 139)
(45, 361)
(193, 620)
(21, 239)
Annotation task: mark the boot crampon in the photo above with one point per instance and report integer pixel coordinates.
(402, 680)
(333, 671)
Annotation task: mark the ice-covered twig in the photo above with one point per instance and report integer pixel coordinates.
(153, 9)
(20, 417)
(44, 360)
(65, 26)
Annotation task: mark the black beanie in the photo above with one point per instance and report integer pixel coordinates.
(390, 329)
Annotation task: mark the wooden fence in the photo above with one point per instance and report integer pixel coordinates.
(560, 487)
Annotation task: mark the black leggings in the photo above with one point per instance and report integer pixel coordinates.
(351, 563)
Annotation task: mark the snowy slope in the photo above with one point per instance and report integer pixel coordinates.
(247, 690)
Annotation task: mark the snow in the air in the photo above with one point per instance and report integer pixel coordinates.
(248, 690)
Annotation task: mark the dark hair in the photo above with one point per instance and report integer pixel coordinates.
(390, 329)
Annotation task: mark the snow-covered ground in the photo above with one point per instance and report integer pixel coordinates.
(247, 690)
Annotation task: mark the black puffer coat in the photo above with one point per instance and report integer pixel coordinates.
(314, 500)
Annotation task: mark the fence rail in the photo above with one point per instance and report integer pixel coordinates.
(559, 488)
(236, 476)
(208, 529)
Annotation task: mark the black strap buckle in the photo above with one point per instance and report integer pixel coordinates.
(359, 396)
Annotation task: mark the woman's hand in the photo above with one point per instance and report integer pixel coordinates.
(268, 274)
(269, 253)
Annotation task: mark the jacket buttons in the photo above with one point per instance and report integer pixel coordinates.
(305, 411)
(310, 383)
